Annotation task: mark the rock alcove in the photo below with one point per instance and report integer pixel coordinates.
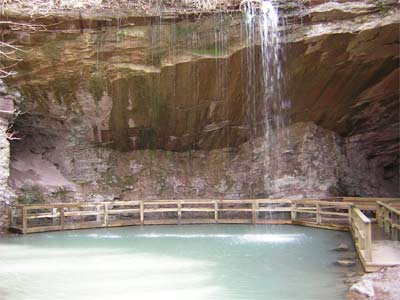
(139, 107)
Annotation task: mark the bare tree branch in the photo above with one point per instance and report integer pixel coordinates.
(12, 135)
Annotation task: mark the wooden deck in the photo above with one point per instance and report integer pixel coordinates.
(377, 246)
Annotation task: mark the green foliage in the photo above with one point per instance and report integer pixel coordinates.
(382, 7)
(30, 194)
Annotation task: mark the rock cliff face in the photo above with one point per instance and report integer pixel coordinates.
(7, 195)
(158, 109)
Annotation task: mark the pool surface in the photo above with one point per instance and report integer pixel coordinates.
(174, 262)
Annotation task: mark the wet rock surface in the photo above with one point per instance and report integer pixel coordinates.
(383, 285)
(64, 167)
(7, 115)
(346, 262)
(342, 247)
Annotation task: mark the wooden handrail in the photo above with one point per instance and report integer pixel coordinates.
(331, 213)
(60, 216)
(361, 231)
(388, 218)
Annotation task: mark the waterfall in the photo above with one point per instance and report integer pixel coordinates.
(265, 80)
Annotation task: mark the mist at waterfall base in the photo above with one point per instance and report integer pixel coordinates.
(174, 262)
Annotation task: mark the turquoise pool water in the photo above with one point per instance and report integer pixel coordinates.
(174, 262)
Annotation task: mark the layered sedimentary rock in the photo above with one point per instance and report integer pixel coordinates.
(158, 108)
(7, 114)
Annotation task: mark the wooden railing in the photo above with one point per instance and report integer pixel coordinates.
(388, 218)
(64, 216)
(367, 204)
(361, 232)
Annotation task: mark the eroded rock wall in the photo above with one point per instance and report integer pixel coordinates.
(306, 161)
(7, 111)
(4, 170)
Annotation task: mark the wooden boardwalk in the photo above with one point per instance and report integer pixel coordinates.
(378, 244)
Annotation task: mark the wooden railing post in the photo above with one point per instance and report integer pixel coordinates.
(318, 213)
(349, 215)
(98, 210)
(395, 227)
(106, 214)
(293, 213)
(378, 215)
(179, 212)
(386, 220)
(54, 216)
(216, 211)
(351, 222)
(368, 242)
(141, 213)
(254, 207)
(62, 217)
(24, 220)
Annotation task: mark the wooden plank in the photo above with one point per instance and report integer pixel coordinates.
(322, 226)
(236, 209)
(277, 209)
(83, 213)
(306, 211)
(121, 223)
(198, 209)
(234, 221)
(141, 213)
(42, 216)
(160, 210)
(43, 229)
(197, 221)
(334, 213)
(161, 222)
(122, 211)
(169, 203)
(269, 201)
(124, 203)
(274, 222)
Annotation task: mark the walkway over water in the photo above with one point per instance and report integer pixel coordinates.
(378, 244)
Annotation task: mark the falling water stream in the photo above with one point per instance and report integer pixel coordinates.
(265, 74)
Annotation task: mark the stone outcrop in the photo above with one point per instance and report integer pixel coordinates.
(380, 285)
(7, 195)
(159, 109)
(306, 161)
